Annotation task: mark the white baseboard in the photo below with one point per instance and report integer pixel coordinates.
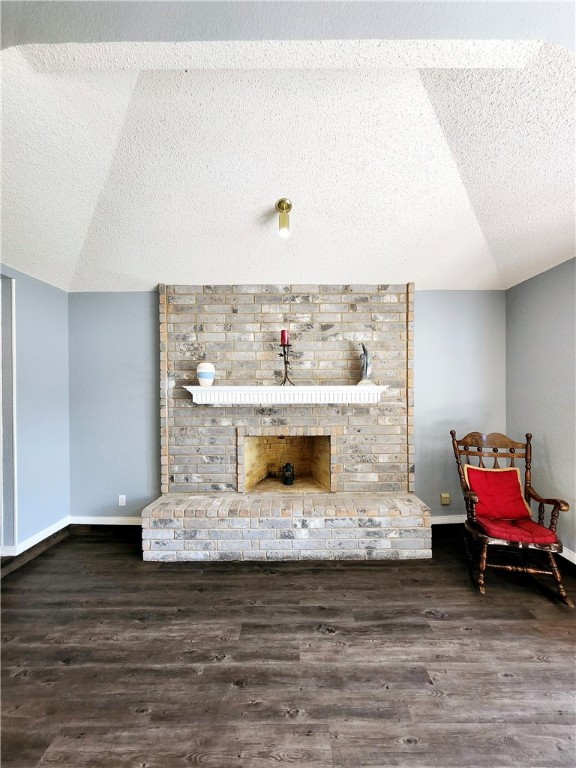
(447, 519)
(8, 551)
(569, 555)
(12, 551)
(94, 520)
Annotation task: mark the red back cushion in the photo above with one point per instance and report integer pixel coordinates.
(499, 492)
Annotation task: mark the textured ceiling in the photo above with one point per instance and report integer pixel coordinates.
(450, 164)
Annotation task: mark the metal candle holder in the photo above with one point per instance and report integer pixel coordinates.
(285, 355)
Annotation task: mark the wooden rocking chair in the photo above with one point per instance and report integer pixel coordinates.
(498, 508)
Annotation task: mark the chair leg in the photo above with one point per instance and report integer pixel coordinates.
(558, 579)
(470, 551)
(483, 557)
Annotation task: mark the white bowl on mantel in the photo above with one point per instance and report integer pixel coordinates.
(277, 395)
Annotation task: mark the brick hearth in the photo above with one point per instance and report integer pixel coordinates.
(329, 526)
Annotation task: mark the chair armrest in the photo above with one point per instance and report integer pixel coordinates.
(563, 506)
(558, 505)
(470, 499)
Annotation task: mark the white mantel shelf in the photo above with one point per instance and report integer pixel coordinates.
(277, 395)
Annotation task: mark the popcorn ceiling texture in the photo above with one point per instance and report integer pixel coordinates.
(206, 458)
(446, 163)
(519, 223)
(281, 54)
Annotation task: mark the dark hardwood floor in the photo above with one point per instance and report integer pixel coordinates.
(109, 661)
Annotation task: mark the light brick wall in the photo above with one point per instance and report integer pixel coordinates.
(237, 328)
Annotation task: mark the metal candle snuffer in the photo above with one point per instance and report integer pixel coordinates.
(285, 355)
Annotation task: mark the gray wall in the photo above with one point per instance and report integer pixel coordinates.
(541, 321)
(459, 382)
(8, 498)
(42, 405)
(86, 22)
(114, 402)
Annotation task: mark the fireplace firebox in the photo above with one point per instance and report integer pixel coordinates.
(265, 455)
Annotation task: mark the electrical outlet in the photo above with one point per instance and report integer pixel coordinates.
(445, 499)
(122, 500)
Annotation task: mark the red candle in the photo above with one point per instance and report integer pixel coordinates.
(284, 338)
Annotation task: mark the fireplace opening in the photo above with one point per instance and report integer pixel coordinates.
(266, 455)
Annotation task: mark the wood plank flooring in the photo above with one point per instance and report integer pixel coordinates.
(110, 661)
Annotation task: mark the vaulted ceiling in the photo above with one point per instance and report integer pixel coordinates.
(446, 163)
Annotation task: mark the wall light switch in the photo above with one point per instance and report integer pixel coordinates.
(122, 501)
(445, 499)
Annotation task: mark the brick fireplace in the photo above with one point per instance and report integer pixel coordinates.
(361, 454)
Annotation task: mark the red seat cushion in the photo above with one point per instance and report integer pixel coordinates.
(499, 493)
(521, 529)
